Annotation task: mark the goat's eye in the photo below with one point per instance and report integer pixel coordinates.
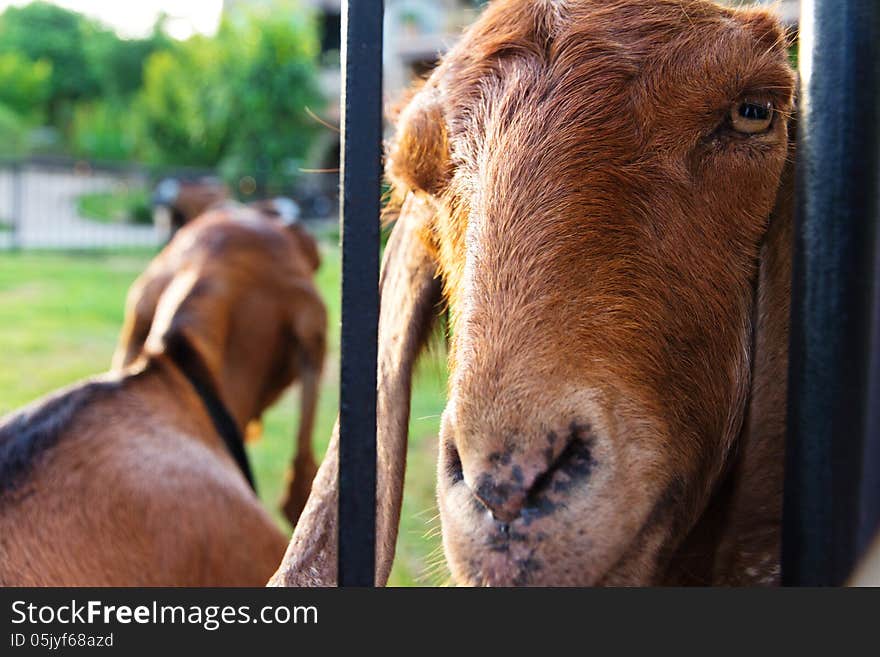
(751, 116)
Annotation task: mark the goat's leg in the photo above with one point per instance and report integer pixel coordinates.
(302, 472)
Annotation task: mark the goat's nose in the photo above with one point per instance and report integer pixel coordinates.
(512, 481)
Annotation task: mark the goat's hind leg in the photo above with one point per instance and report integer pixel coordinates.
(299, 483)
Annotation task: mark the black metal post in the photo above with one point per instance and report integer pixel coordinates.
(830, 432)
(361, 177)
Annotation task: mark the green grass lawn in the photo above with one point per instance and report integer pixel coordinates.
(59, 319)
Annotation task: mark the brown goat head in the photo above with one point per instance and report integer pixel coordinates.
(593, 183)
(237, 287)
(602, 175)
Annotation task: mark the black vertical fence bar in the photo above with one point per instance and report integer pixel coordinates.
(829, 428)
(869, 503)
(361, 176)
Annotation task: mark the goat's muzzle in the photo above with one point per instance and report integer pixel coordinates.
(549, 502)
(520, 486)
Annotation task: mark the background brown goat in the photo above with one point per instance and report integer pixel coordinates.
(598, 191)
(125, 479)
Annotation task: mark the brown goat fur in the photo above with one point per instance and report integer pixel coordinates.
(617, 283)
(123, 480)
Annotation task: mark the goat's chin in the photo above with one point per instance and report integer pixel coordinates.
(616, 546)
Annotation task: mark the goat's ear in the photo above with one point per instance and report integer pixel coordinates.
(188, 314)
(140, 307)
(410, 291)
(308, 324)
(418, 156)
(307, 317)
(749, 550)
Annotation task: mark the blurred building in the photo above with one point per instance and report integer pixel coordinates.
(416, 33)
(787, 10)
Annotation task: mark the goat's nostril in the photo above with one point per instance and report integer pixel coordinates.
(531, 488)
(453, 463)
(573, 464)
(504, 499)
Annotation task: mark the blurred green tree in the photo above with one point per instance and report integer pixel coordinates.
(104, 130)
(41, 31)
(24, 86)
(118, 64)
(234, 101)
(185, 103)
(72, 72)
(237, 100)
(274, 81)
(13, 139)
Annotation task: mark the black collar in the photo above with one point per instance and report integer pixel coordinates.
(190, 363)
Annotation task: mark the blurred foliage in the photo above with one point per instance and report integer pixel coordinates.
(235, 101)
(273, 85)
(118, 63)
(24, 85)
(86, 59)
(104, 130)
(125, 205)
(13, 133)
(184, 104)
(41, 31)
(24, 90)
